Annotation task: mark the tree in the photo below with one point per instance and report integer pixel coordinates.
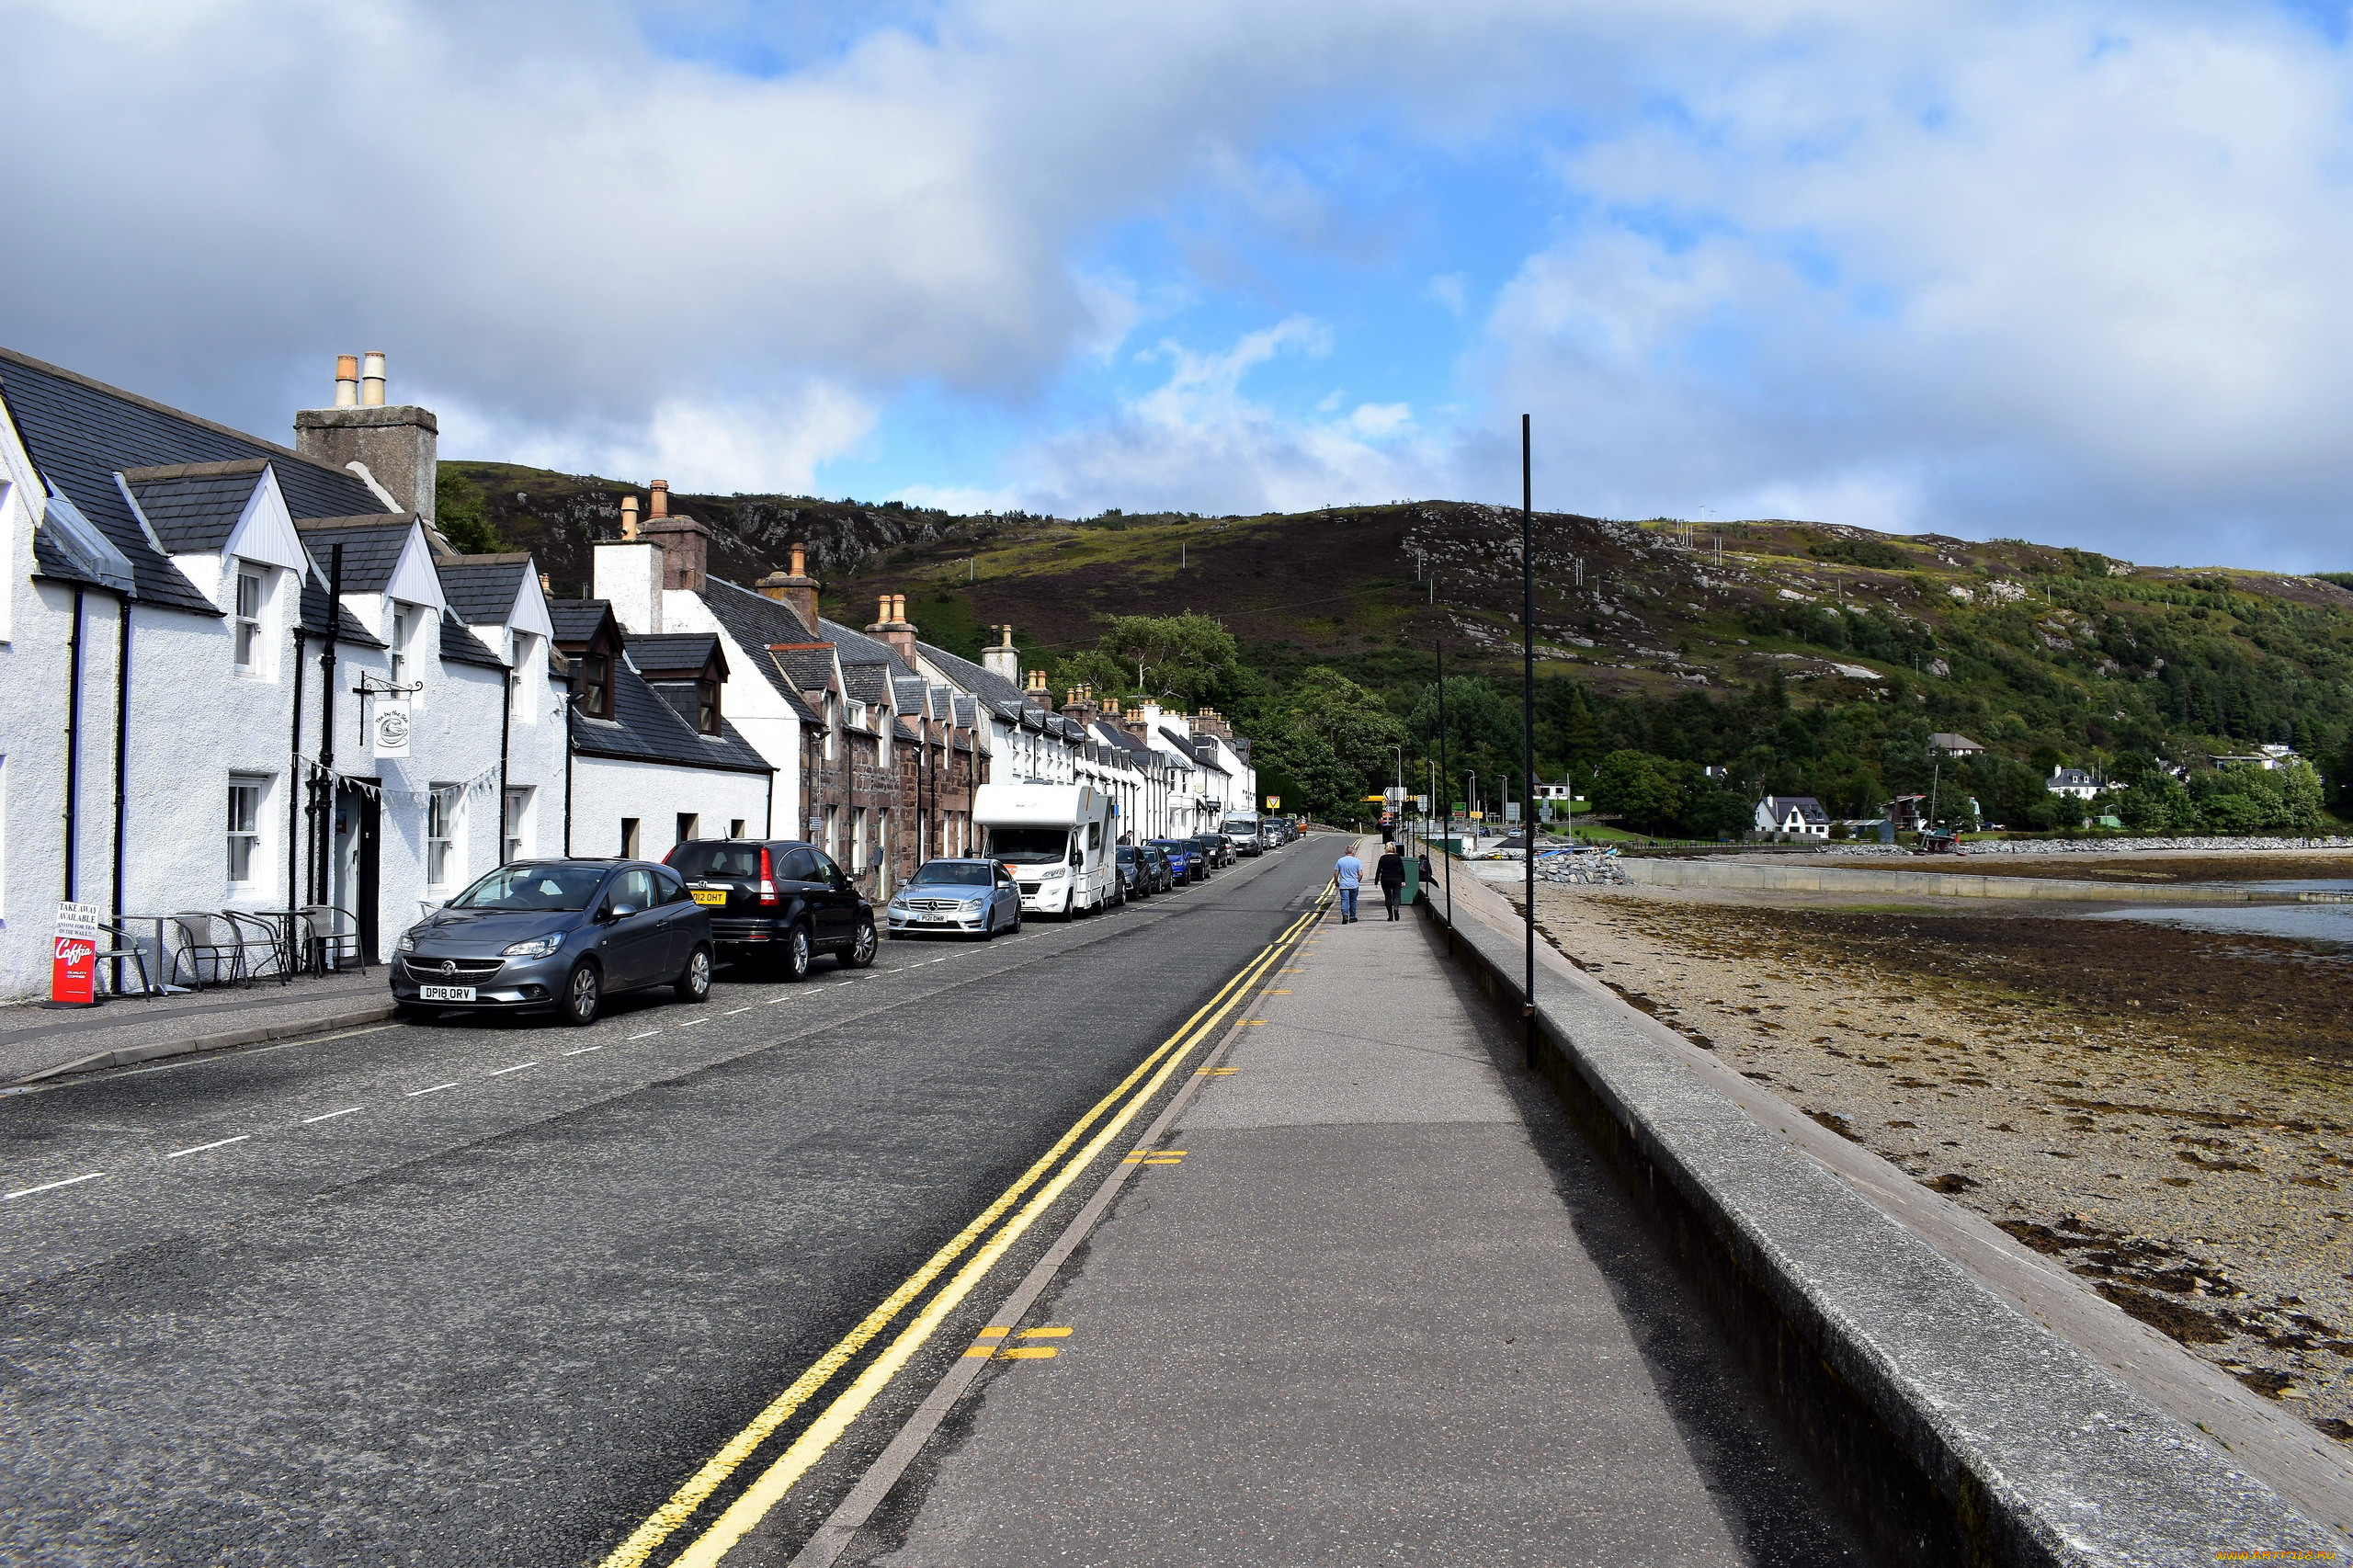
(1187, 658)
(1640, 790)
(1352, 720)
(458, 513)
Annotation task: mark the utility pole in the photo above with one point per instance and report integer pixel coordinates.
(1527, 715)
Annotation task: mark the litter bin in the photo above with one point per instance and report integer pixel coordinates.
(1413, 878)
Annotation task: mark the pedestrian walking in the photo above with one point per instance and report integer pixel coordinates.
(1390, 874)
(1349, 873)
(1423, 865)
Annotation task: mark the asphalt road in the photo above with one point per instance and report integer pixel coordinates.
(484, 1293)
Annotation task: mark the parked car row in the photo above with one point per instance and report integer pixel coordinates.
(562, 935)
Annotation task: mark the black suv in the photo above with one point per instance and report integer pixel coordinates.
(781, 900)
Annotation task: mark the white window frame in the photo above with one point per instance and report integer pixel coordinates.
(404, 628)
(515, 824)
(248, 622)
(247, 810)
(442, 807)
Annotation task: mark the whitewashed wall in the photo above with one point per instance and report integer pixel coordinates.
(606, 790)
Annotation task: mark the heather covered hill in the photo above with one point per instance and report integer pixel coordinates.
(1803, 657)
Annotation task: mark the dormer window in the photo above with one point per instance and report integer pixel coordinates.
(596, 684)
(404, 629)
(246, 620)
(707, 705)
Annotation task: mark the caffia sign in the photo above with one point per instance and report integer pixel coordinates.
(388, 727)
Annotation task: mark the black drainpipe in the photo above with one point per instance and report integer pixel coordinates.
(322, 867)
(294, 766)
(72, 743)
(568, 702)
(505, 727)
(121, 746)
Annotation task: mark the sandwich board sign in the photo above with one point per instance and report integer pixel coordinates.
(73, 964)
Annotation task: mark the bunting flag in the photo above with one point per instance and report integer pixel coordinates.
(486, 781)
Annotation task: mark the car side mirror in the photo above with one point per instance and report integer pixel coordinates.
(617, 911)
(1078, 856)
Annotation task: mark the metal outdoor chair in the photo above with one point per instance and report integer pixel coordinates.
(126, 949)
(255, 934)
(332, 939)
(206, 943)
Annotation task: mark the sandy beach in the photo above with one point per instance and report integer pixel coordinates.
(2169, 1112)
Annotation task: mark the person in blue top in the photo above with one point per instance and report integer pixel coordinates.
(1350, 872)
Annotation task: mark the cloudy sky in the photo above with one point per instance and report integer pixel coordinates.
(2068, 271)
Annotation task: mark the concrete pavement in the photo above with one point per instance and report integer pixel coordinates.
(1373, 1304)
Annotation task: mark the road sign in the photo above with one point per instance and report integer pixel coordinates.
(1461, 810)
(1274, 803)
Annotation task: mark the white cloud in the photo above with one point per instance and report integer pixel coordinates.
(766, 443)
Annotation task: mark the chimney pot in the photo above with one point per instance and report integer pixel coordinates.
(799, 559)
(346, 380)
(629, 517)
(661, 498)
(371, 379)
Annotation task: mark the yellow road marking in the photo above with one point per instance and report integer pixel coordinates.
(994, 1332)
(1045, 1334)
(1274, 993)
(821, 1434)
(665, 1521)
(1027, 1353)
(1214, 1072)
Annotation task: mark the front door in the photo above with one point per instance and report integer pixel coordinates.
(360, 823)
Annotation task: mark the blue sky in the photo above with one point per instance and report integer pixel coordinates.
(2065, 270)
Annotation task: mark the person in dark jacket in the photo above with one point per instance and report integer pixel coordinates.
(1389, 872)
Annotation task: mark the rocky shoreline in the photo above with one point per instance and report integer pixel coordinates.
(2169, 1112)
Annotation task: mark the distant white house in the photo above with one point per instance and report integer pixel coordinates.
(2073, 782)
(1792, 813)
(1951, 744)
(2267, 757)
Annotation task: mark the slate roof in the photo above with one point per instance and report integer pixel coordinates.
(911, 694)
(576, 620)
(801, 710)
(371, 548)
(194, 506)
(1807, 808)
(866, 682)
(806, 669)
(347, 627)
(482, 589)
(755, 621)
(645, 728)
(977, 679)
(674, 651)
(858, 648)
(80, 433)
(68, 546)
(460, 646)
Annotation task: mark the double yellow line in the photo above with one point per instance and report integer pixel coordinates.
(765, 1493)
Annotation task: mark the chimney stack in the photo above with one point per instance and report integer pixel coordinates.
(629, 519)
(685, 544)
(394, 446)
(1078, 704)
(892, 625)
(1004, 659)
(795, 587)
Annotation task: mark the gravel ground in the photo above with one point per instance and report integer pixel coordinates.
(2166, 1110)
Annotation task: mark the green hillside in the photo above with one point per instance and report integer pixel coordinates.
(1795, 657)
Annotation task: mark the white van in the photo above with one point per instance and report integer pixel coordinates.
(1060, 839)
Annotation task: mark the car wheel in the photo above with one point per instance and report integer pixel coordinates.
(584, 993)
(694, 985)
(1119, 896)
(988, 929)
(796, 960)
(861, 951)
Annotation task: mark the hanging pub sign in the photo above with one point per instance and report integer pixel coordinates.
(388, 727)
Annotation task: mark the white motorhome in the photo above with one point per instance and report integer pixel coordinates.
(1059, 839)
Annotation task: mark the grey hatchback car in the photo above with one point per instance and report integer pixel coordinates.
(555, 934)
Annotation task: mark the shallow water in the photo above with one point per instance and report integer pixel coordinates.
(2331, 922)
